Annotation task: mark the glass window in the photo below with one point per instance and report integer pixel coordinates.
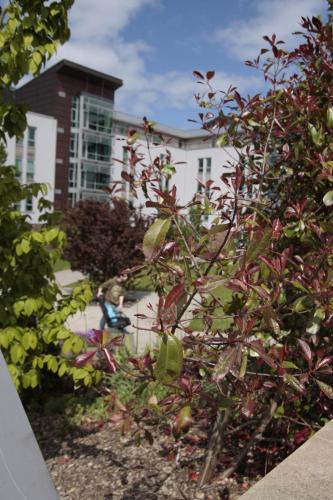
(72, 174)
(75, 111)
(157, 139)
(97, 115)
(121, 130)
(73, 147)
(201, 165)
(30, 170)
(18, 164)
(19, 141)
(31, 136)
(125, 156)
(30, 166)
(96, 148)
(28, 204)
(208, 167)
(93, 177)
(72, 199)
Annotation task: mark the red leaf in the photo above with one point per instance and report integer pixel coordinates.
(174, 295)
(210, 75)
(109, 360)
(83, 359)
(324, 361)
(307, 354)
(257, 346)
(302, 436)
(193, 475)
(277, 228)
(198, 75)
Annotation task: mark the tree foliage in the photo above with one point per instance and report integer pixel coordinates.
(251, 297)
(30, 32)
(33, 311)
(103, 240)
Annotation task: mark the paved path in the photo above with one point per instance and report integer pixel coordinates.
(67, 277)
(307, 474)
(142, 336)
(140, 328)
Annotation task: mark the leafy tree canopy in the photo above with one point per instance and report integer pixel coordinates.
(32, 310)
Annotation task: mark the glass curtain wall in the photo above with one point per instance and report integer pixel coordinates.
(90, 148)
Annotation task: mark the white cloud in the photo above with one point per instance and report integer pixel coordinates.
(94, 19)
(97, 41)
(244, 38)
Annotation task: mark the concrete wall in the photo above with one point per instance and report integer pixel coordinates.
(44, 156)
(186, 176)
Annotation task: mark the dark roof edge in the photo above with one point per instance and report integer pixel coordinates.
(117, 82)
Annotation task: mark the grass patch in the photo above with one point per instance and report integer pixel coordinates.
(61, 265)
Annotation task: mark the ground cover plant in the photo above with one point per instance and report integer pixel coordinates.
(33, 311)
(259, 278)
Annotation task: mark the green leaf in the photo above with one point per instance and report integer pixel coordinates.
(316, 135)
(26, 381)
(155, 237)
(258, 244)
(242, 370)
(302, 303)
(183, 419)
(325, 388)
(289, 364)
(279, 412)
(67, 347)
(328, 198)
(170, 359)
(294, 383)
(62, 369)
(52, 234)
(314, 325)
(30, 306)
(329, 117)
(17, 354)
(222, 140)
(52, 364)
(4, 340)
(25, 246)
(168, 170)
(225, 363)
(26, 340)
(133, 138)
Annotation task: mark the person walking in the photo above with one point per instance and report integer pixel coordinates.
(113, 291)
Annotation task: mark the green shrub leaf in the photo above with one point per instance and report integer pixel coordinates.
(170, 359)
(155, 237)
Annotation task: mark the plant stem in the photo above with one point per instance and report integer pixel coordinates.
(214, 447)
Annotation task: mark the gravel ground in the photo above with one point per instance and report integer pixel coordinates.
(95, 462)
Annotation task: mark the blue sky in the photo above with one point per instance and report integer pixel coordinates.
(154, 45)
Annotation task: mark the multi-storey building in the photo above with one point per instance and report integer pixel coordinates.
(81, 100)
(34, 157)
(200, 159)
(90, 135)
